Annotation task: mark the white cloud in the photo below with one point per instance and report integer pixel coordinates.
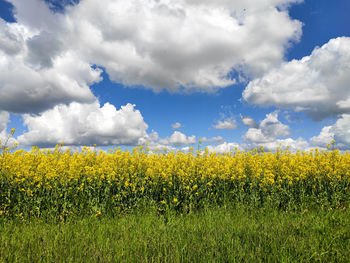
(254, 135)
(325, 137)
(292, 144)
(269, 129)
(35, 14)
(11, 39)
(224, 147)
(155, 143)
(317, 84)
(183, 44)
(227, 124)
(34, 78)
(268, 135)
(249, 121)
(25, 90)
(179, 139)
(175, 45)
(85, 124)
(4, 119)
(339, 132)
(272, 127)
(176, 125)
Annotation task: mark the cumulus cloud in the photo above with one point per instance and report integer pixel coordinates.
(269, 129)
(11, 39)
(35, 14)
(317, 84)
(226, 124)
(249, 121)
(33, 78)
(84, 124)
(269, 133)
(339, 132)
(24, 90)
(224, 147)
(179, 139)
(155, 143)
(4, 119)
(325, 137)
(178, 46)
(176, 125)
(292, 144)
(182, 45)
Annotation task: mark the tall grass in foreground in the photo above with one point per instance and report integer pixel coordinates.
(225, 234)
(44, 183)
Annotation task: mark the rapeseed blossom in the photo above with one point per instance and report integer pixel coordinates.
(42, 181)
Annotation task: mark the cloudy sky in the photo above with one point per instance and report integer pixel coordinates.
(234, 73)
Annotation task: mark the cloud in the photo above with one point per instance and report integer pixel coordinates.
(34, 78)
(84, 124)
(325, 137)
(23, 90)
(292, 144)
(43, 49)
(339, 132)
(249, 121)
(178, 46)
(155, 143)
(268, 135)
(224, 147)
(179, 139)
(176, 125)
(227, 124)
(182, 45)
(317, 84)
(4, 119)
(11, 40)
(269, 129)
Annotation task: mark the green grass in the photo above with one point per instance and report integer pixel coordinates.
(211, 235)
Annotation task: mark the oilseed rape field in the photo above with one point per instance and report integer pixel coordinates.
(60, 183)
(157, 206)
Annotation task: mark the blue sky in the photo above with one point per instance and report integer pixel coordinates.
(123, 73)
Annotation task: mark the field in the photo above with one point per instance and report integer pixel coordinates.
(174, 207)
(224, 234)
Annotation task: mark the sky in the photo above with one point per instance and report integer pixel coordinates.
(124, 73)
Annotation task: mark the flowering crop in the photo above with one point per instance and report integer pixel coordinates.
(59, 182)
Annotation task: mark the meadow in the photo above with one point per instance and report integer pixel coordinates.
(163, 206)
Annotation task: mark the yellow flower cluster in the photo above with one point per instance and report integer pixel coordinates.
(58, 181)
